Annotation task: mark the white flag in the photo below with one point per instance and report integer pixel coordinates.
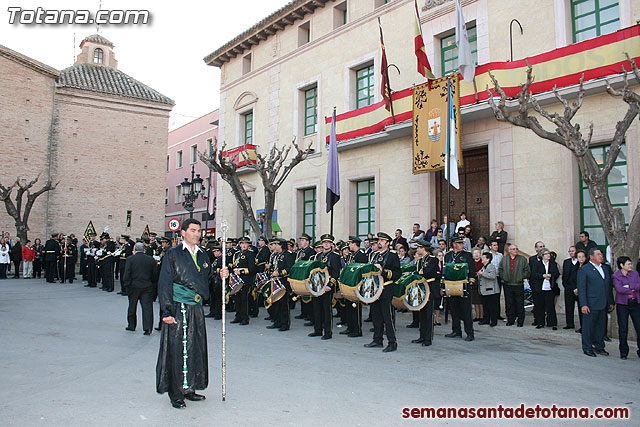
(466, 64)
(451, 158)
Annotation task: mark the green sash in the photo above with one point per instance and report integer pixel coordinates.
(185, 295)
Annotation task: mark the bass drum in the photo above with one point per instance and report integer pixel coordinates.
(361, 283)
(411, 291)
(309, 278)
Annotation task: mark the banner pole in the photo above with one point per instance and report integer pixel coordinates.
(224, 227)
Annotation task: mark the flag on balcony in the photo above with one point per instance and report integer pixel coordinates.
(466, 64)
(333, 172)
(451, 160)
(384, 70)
(424, 67)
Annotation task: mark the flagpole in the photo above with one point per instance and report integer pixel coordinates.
(448, 171)
(224, 227)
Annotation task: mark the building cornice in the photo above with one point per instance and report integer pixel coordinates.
(29, 62)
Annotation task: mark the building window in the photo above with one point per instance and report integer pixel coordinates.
(449, 50)
(246, 64)
(304, 33)
(177, 197)
(248, 128)
(364, 86)
(618, 193)
(194, 153)
(209, 147)
(339, 15)
(311, 111)
(179, 159)
(379, 3)
(365, 207)
(592, 18)
(98, 55)
(166, 196)
(309, 212)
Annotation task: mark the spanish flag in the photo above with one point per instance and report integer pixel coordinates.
(424, 67)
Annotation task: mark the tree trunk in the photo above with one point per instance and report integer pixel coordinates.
(269, 204)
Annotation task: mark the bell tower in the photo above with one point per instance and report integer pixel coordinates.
(97, 50)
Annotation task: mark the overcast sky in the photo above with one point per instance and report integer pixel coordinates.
(165, 54)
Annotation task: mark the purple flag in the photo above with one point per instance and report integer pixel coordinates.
(333, 173)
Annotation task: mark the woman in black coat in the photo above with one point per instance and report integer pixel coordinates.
(16, 256)
(544, 275)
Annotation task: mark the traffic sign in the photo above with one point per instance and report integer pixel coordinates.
(174, 224)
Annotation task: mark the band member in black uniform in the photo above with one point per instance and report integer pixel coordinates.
(148, 250)
(105, 261)
(262, 258)
(305, 253)
(389, 264)
(83, 261)
(244, 265)
(323, 321)
(215, 284)
(126, 248)
(354, 314)
(427, 267)
(461, 306)
(92, 272)
(69, 255)
(51, 253)
(282, 263)
(231, 250)
(61, 259)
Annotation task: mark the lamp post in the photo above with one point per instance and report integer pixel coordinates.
(191, 190)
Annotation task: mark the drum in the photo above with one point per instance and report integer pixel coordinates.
(273, 291)
(361, 283)
(261, 280)
(235, 284)
(455, 280)
(309, 278)
(411, 291)
(408, 268)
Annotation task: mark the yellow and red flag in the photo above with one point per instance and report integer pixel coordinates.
(424, 67)
(384, 70)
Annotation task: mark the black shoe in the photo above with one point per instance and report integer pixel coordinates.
(178, 404)
(539, 326)
(510, 324)
(500, 318)
(372, 329)
(579, 330)
(267, 318)
(373, 344)
(355, 334)
(426, 343)
(299, 316)
(520, 325)
(120, 293)
(244, 323)
(623, 357)
(308, 323)
(493, 324)
(555, 328)
(534, 323)
(273, 327)
(469, 338)
(568, 327)
(418, 341)
(483, 322)
(326, 337)
(236, 320)
(147, 332)
(209, 315)
(413, 325)
(368, 319)
(607, 339)
(345, 332)
(194, 397)
(602, 352)
(283, 328)
(393, 346)
(158, 329)
(590, 353)
(453, 335)
(130, 329)
(315, 334)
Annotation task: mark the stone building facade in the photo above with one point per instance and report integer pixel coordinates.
(285, 75)
(97, 131)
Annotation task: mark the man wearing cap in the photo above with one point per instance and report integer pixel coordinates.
(126, 250)
(461, 306)
(262, 258)
(244, 265)
(92, 272)
(427, 267)
(51, 254)
(388, 263)
(354, 314)
(69, 256)
(105, 260)
(322, 323)
(215, 283)
(282, 262)
(182, 367)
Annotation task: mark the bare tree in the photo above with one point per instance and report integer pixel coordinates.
(272, 169)
(16, 210)
(623, 240)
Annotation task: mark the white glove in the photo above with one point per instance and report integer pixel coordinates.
(156, 257)
(99, 252)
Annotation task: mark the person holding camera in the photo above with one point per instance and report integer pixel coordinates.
(627, 284)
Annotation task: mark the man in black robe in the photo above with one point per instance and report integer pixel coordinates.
(182, 367)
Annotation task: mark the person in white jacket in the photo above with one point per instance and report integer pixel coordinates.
(4, 258)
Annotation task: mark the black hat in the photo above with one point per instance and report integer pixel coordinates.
(327, 238)
(342, 245)
(138, 240)
(384, 236)
(54, 235)
(145, 239)
(317, 244)
(458, 240)
(423, 243)
(274, 240)
(216, 247)
(305, 236)
(153, 234)
(162, 239)
(105, 236)
(124, 236)
(244, 239)
(230, 240)
(355, 239)
(264, 239)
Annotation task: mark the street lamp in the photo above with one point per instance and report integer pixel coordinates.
(191, 190)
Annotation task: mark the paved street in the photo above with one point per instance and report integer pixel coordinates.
(66, 359)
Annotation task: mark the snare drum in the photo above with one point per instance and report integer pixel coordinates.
(235, 284)
(455, 282)
(273, 291)
(261, 280)
(361, 283)
(411, 291)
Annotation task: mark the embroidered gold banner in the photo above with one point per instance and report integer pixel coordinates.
(430, 124)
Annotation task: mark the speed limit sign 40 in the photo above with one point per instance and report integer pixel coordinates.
(174, 224)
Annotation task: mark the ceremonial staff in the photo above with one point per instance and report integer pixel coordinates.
(224, 227)
(64, 261)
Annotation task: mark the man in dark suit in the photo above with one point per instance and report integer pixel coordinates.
(140, 274)
(570, 283)
(594, 292)
(585, 244)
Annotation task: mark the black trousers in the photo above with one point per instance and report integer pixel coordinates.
(242, 303)
(280, 313)
(514, 300)
(50, 270)
(538, 308)
(623, 312)
(37, 267)
(593, 330)
(106, 268)
(461, 310)
(61, 269)
(491, 305)
(123, 264)
(323, 319)
(354, 321)
(116, 268)
(252, 304)
(382, 318)
(69, 270)
(425, 319)
(547, 314)
(215, 303)
(570, 303)
(145, 296)
(91, 272)
(16, 264)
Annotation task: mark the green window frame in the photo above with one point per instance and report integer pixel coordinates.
(311, 111)
(365, 207)
(309, 212)
(365, 85)
(593, 18)
(618, 188)
(248, 128)
(449, 50)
